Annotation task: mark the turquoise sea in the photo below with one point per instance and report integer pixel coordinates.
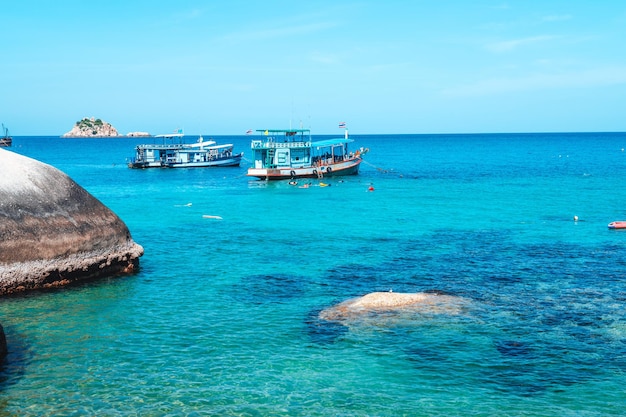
(222, 318)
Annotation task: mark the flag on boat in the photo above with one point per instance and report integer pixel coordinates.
(249, 132)
(342, 125)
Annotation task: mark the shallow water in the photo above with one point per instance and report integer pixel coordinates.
(222, 317)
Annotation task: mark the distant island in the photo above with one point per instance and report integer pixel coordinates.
(91, 128)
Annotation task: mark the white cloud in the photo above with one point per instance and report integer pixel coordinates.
(322, 58)
(556, 18)
(506, 46)
(280, 32)
(597, 77)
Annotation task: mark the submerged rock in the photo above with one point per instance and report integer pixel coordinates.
(53, 232)
(3, 344)
(380, 302)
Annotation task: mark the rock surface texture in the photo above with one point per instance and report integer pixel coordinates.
(380, 302)
(53, 232)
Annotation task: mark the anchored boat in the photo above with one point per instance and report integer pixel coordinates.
(6, 140)
(290, 154)
(184, 155)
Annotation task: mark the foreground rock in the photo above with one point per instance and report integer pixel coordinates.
(53, 232)
(380, 302)
(91, 128)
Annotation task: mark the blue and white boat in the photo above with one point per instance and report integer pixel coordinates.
(177, 154)
(291, 154)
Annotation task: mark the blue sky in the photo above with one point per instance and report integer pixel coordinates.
(222, 67)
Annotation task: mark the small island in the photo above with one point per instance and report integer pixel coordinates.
(138, 134)
(91, 128)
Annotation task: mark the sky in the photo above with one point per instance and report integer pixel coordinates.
(393, 66)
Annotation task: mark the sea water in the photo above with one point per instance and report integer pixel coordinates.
(222, 318)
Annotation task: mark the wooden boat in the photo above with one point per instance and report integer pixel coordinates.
(6, 140)
(291, 154)
(184, 155)
(617, 225)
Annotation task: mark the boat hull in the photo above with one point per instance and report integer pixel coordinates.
(143, 164)
(350, 167)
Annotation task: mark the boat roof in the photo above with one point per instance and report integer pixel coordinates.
(203, 144)
(171, 135)
(268, 131)
(226, 145)
(207, 146)
(331, 142)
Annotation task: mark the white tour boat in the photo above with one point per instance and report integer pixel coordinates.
(184, 155)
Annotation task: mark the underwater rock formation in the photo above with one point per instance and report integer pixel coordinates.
(3, 344)
(53, 232)
(379, 302)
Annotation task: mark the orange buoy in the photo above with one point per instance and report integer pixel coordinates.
(617, 225)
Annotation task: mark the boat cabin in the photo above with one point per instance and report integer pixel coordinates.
(294, 149)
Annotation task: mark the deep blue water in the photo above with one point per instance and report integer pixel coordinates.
(222, 317)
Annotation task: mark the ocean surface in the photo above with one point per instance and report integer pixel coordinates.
(222, 318)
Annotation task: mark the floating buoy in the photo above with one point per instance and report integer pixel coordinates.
(207, 216)
(617, 225)
(370, 188)
(575, 218)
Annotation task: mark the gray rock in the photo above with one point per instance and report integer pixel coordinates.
(53, 232)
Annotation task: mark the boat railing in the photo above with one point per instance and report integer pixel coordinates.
(326, 160)
(273, 145)
(155, 146)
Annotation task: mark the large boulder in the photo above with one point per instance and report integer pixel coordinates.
(53, 232)
(383, 302)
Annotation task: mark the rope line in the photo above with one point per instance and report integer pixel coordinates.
(379, 169)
